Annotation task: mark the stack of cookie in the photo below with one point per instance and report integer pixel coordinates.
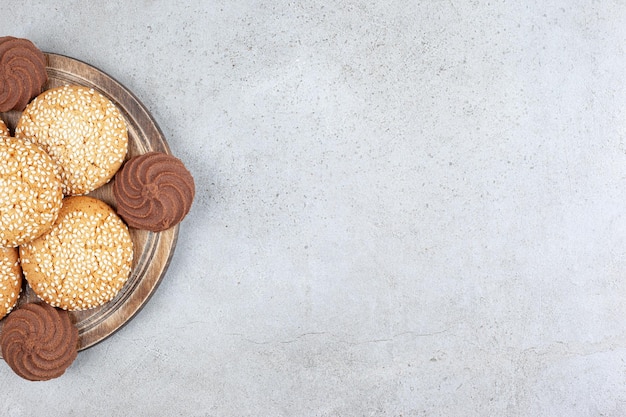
(74, 251)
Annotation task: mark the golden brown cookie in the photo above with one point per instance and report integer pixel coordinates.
(39, 342)
(4, 130)
(83, 131)
(30, 191)
(10, 280)
(83, 260)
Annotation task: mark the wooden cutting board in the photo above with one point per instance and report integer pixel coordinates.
(152, 251)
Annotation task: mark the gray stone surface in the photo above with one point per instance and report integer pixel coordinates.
(403, 209)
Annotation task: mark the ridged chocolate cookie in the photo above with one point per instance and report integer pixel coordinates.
(22, 72)
(153, 191)
(83, 132)
(39, 342)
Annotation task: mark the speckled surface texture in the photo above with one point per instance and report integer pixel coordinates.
(403, 208)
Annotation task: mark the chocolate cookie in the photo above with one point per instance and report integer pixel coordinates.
(153, 191)
(83, 131)
(22, 72)
(39, 342)
(83, 260)
(30, 191)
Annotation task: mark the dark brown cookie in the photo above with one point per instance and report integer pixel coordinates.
(153, 191)
(22, 72)
(39, 342)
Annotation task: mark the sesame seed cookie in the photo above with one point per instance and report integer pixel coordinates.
(30, 192)
(10, 280)
(4, 130)
(82, 130)
(83, 260)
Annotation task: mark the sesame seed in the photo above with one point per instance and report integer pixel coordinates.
(81, 130)
(85, 257)
(10, 280)
(32, 192)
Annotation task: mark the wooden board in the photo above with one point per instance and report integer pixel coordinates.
(152, 251)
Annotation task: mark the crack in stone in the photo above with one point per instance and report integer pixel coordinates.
(563, 349)
(338, 339)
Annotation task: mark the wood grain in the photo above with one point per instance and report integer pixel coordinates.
(152, 251)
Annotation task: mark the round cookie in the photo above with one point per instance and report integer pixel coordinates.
(4, 130)
(39, 342)
(153, 191)
(30, 191)
(22, 72)
(10, 280)
(83, 131)
(83, 260)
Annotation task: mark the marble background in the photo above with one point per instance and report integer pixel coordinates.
(404, 208)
